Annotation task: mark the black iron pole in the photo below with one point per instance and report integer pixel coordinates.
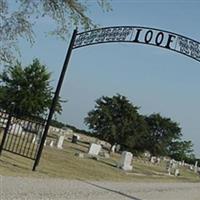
(55, 98)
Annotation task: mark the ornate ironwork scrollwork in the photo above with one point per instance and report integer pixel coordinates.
(110, 34)
(189, 47)
(143, 35)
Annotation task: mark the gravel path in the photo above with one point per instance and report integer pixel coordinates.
(18, 188)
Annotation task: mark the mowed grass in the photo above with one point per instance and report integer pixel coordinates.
(64, 164)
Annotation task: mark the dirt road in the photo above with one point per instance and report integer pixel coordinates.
(18, 188)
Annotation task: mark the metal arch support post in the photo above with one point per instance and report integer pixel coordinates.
(54, 101)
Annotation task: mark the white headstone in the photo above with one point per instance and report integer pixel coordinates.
(158, 161)
(168, 167)
(78, 137)
(177, 172)
(16, 129)
(196, 167)
(125, 162)
(94, 149)
(153, 159)
(113, 148)
(174, 163)
(117, 149)
(179, 163)
(60, 142)
(191, 167)
(147, 154)
(51, 143)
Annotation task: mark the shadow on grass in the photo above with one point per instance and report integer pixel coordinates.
(77, 149)
(8, 164)
(108, 163)
(111, 190)
(83, 144)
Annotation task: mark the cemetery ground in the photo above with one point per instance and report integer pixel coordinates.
(63, 163)
(64, 175)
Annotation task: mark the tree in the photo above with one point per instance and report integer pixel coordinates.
(180, 150)
(27, 88)
(161, 133)
(17, 20)
(116, 120)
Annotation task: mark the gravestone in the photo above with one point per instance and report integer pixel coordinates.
(147, 154)
(125, 162)
(51, 143)
(113, 148)
(153, 159)
(196, 167)
(174, 166)
(158, 161)
(170, 166)
(75, 138)
(117, 149)
(191, 167)
(94, 149)
(60, 142)
(177, 172)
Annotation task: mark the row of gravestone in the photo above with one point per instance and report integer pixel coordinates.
(59, 142)
(172, 168)
(172, 165)
(191, 167)
(124, 163)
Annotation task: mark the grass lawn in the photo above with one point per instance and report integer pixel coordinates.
(64, 164)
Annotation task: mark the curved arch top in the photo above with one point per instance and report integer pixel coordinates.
(140, 35)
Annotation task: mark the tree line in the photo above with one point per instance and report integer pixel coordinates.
(118, 121)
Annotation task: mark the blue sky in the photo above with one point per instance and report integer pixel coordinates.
(157, 80)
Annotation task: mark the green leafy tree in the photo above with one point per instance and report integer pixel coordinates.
(27, 88)
(161, 132)
(180, 150)
(18, 18)
(116, 120)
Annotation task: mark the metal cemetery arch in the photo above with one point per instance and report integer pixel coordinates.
(132, 34)
(140, 35)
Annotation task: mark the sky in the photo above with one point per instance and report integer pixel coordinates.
(155, 79)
